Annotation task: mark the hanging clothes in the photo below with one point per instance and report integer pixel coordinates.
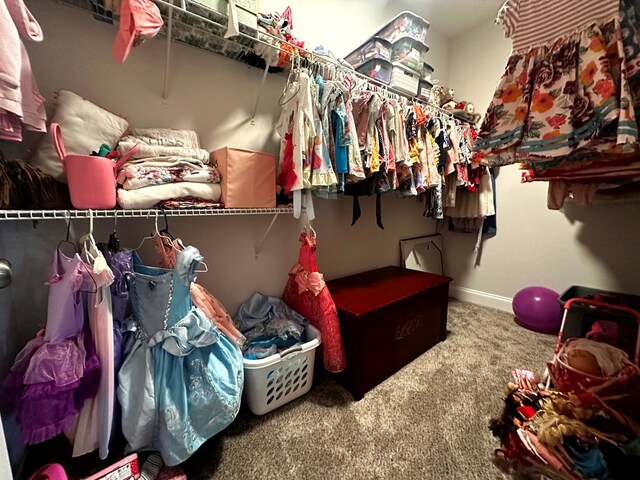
(181, 381)
(341, 135)
(558, 93)
(93, 426)
(296, 126)
(58, 370)
(167, 250)
(307, 293)
(569, 97)
(21, 105)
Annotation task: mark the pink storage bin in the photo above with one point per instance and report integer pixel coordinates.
(91, 179)
(248, 178)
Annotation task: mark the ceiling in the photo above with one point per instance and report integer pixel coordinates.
(451, 17)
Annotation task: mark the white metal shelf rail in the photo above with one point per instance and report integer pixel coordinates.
(143, 213)
(35, 215)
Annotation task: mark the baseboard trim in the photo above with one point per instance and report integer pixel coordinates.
(481, 298)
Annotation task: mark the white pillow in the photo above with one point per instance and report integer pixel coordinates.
(85, 127)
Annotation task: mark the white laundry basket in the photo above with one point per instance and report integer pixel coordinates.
(273, 381)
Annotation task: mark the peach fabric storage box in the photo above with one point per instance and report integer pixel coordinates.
(248, 178)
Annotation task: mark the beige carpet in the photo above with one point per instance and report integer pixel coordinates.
(428, 421)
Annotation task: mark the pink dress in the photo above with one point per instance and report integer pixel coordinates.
(307, 293)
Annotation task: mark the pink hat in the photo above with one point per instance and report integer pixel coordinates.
(139, 20)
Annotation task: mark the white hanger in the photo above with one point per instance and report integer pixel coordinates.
(157, 233)
(150, 237)
(91, 250)
(206, 268)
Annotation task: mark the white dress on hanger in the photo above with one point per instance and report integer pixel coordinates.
(92, 429)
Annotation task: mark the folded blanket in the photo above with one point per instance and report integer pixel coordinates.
(133, 177)
(150, 196)
(146, 150)
(166, 161)
(186, 203)
(166, 137)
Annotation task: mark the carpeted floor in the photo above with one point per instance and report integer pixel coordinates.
(428, 421)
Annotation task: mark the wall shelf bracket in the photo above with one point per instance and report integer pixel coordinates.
(266, 234)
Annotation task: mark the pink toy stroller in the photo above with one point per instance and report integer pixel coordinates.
(618, 395)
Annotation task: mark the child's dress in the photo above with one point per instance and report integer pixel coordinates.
(565, 93)
(95, 421)
(58, 370)
(307, 293)
(181, 381)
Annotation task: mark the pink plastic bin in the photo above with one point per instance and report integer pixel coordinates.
(92, 180)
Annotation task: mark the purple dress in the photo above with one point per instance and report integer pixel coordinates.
(58, 370)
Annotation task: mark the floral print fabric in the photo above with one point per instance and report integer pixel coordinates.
(562, 101)
(134, 177)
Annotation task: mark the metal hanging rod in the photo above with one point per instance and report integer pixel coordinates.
(142, 213)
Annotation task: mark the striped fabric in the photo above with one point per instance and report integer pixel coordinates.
(535, 22)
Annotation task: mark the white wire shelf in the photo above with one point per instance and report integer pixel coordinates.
(193, 23)
(144, 213)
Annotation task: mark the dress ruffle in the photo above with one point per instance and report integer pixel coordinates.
(567, 100)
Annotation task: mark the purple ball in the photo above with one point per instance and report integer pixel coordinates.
(537, 309)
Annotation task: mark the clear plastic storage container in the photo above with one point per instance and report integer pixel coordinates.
(377, 69)
(424, 89)
(426, 72)
(373, 48)
(406, 24)
(409, 52)
(404, 80)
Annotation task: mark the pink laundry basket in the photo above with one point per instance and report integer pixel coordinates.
(91, 179)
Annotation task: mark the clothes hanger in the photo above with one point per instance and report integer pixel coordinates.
(149, 237)
(91, 252)
(291, 79)
(66, 241)
(113, 244)
(165, 230)
(206, 268)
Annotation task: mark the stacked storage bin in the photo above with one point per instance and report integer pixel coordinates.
(395, 55)
(373, 59)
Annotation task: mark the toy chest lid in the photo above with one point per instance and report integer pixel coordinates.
(368, 291)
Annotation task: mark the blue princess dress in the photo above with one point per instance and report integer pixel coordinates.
(181, 380)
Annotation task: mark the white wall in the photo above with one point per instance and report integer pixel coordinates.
(592, 246)
(214, 96)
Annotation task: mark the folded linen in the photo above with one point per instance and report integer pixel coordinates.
(146, 150)
(166, 136)
(150, 196)
(133, 177)
(166, 161)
